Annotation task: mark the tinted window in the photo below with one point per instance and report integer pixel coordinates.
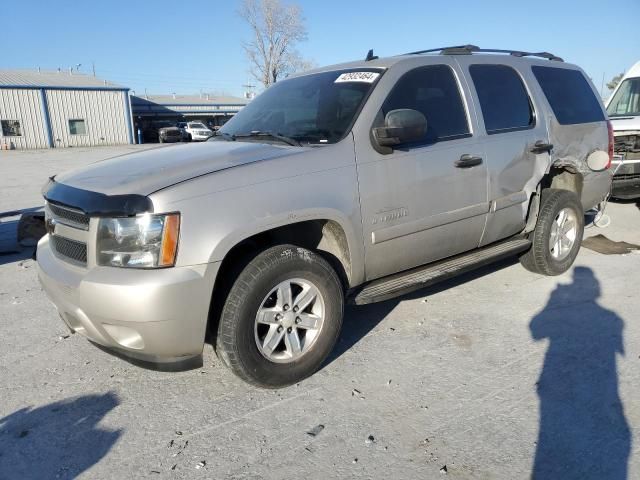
(503, 99)
(432, 90)
(569, 94)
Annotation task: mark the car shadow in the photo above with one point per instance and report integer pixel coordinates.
(58, 440)
(583, 431)
(359, 320)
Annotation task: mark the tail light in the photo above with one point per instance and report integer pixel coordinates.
(611, 142)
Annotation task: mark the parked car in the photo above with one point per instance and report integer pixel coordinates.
(623, 108)
(170, 134)
(197, 132)
(351, 183)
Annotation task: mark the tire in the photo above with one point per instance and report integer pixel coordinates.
(241, 341)
(543, 257)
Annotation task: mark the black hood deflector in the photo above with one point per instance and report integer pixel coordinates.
(96, 204)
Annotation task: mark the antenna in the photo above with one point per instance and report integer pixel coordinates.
(370, 56)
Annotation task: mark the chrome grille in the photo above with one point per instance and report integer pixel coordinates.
(69, 216)
(70, 249)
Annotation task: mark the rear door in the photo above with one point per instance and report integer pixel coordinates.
(514, 139)
(419, 202)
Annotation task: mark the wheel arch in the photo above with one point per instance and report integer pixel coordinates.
(561, 177)
(326, 236)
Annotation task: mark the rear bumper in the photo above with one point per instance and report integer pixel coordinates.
(153, 316)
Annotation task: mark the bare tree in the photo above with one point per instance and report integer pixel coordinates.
(614, 81)
(277, 28)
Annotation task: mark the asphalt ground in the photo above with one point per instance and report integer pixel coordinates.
(499, 374)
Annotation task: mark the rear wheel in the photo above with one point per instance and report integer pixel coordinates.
(558, 234)
(281, 318)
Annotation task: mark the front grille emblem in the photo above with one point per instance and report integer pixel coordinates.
(50, 225)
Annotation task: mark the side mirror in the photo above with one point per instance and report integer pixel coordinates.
(401, 126)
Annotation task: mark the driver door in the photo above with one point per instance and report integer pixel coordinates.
(422, 202)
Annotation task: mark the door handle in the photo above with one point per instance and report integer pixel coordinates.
(541, 147)
(467, 161)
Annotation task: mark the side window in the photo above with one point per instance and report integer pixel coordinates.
(77, 127)
(432, 90)
(503, 98)
(11, 128)
(569, 94)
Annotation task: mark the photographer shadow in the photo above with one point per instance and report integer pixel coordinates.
(583, 431)
(58, 440)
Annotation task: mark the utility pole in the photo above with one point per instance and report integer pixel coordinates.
(249, 94)
(93, 68)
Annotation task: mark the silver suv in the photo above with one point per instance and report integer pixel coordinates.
(357, 182)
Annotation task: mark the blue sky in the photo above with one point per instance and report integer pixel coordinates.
(182, 47)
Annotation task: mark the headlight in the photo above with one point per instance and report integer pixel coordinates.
(145, 241)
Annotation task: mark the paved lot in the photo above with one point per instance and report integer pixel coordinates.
(495, 375)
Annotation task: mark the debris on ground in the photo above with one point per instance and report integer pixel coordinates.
(64, 336)
(601, 244)
(201, 464)
(357, 393)
(178, 432)
(370, 439)
(443, 469)
(355, 460)
(315, 430)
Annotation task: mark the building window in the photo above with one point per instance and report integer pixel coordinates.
(77, 127)
(11, 128)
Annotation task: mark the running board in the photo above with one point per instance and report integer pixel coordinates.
(421, 277)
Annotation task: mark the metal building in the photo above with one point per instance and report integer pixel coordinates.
(41, 109)
(151, 112)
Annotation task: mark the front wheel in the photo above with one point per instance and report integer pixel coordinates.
(281, 318)
(558, 234)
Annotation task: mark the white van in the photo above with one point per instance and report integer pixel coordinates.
(623, 107)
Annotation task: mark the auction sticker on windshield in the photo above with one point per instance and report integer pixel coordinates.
(366, 77)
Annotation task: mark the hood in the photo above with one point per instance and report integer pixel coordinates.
(625, 123)
(146, 172)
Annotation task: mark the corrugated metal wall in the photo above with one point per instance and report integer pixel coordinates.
(26, 107)
(102, 110)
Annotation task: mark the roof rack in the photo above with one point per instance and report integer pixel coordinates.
(469, 49)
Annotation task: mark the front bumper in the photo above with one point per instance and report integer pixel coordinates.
(157, 316)
(626, 181)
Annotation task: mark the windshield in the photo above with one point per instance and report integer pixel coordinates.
(196, 125)
(316, 108)
(626, 101)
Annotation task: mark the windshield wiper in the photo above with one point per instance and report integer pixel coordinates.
(225, 135)
(259, 134)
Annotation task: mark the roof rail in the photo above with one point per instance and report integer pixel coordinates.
(469, 49)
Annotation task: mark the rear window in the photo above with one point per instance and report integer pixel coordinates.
(503, 99)
(569, 94)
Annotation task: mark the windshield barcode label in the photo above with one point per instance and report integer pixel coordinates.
(366, 77)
